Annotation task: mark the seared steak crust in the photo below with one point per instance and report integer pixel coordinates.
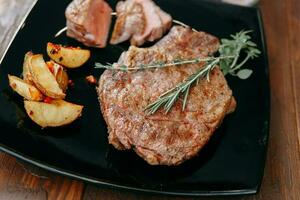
(165, 139)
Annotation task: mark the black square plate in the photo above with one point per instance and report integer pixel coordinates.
(233, 161)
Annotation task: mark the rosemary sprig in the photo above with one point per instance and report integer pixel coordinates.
(240, 43)
(170, 97)
(158, 64)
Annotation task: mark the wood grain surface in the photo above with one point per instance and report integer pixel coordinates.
(282, 174)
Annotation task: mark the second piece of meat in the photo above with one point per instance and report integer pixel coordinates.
(139, 21)
(88, 21)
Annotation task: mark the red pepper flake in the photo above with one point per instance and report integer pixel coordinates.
(71, 83)
(48, 100)
(31, 112)
(53, 51)
(60, 59)
(91, 79)
(55, 48)
(50, 66)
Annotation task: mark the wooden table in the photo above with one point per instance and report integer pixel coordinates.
(282, 174)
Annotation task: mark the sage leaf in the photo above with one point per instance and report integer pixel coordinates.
(244, 73)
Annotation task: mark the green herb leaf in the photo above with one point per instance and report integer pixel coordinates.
(239, 43)
(244, 73)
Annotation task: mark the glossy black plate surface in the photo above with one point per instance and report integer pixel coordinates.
(233, 161)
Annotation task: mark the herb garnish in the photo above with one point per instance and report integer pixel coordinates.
(157, 64)
(229, 61)
(240, 43)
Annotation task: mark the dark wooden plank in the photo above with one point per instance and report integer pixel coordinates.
(20, 181)
(294, 26)
(11, 187)
(282, 171)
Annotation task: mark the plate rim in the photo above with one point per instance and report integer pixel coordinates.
(98, 182)
(268, 95)
(106, 183)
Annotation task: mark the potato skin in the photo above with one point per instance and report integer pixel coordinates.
(26, 73)
(62, 79)
(60, 74)
(69, 57)
(44, 79)
(54, 114)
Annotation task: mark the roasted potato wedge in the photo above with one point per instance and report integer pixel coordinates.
(60, 74)
(43, 78)
(26, 73)
(68, 56)
(25, 89)
(56, 113)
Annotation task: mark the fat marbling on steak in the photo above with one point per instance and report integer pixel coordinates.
(172, 138)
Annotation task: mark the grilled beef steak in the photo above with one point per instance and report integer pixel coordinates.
(140, 20)
(164, 139)
(88, 21)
